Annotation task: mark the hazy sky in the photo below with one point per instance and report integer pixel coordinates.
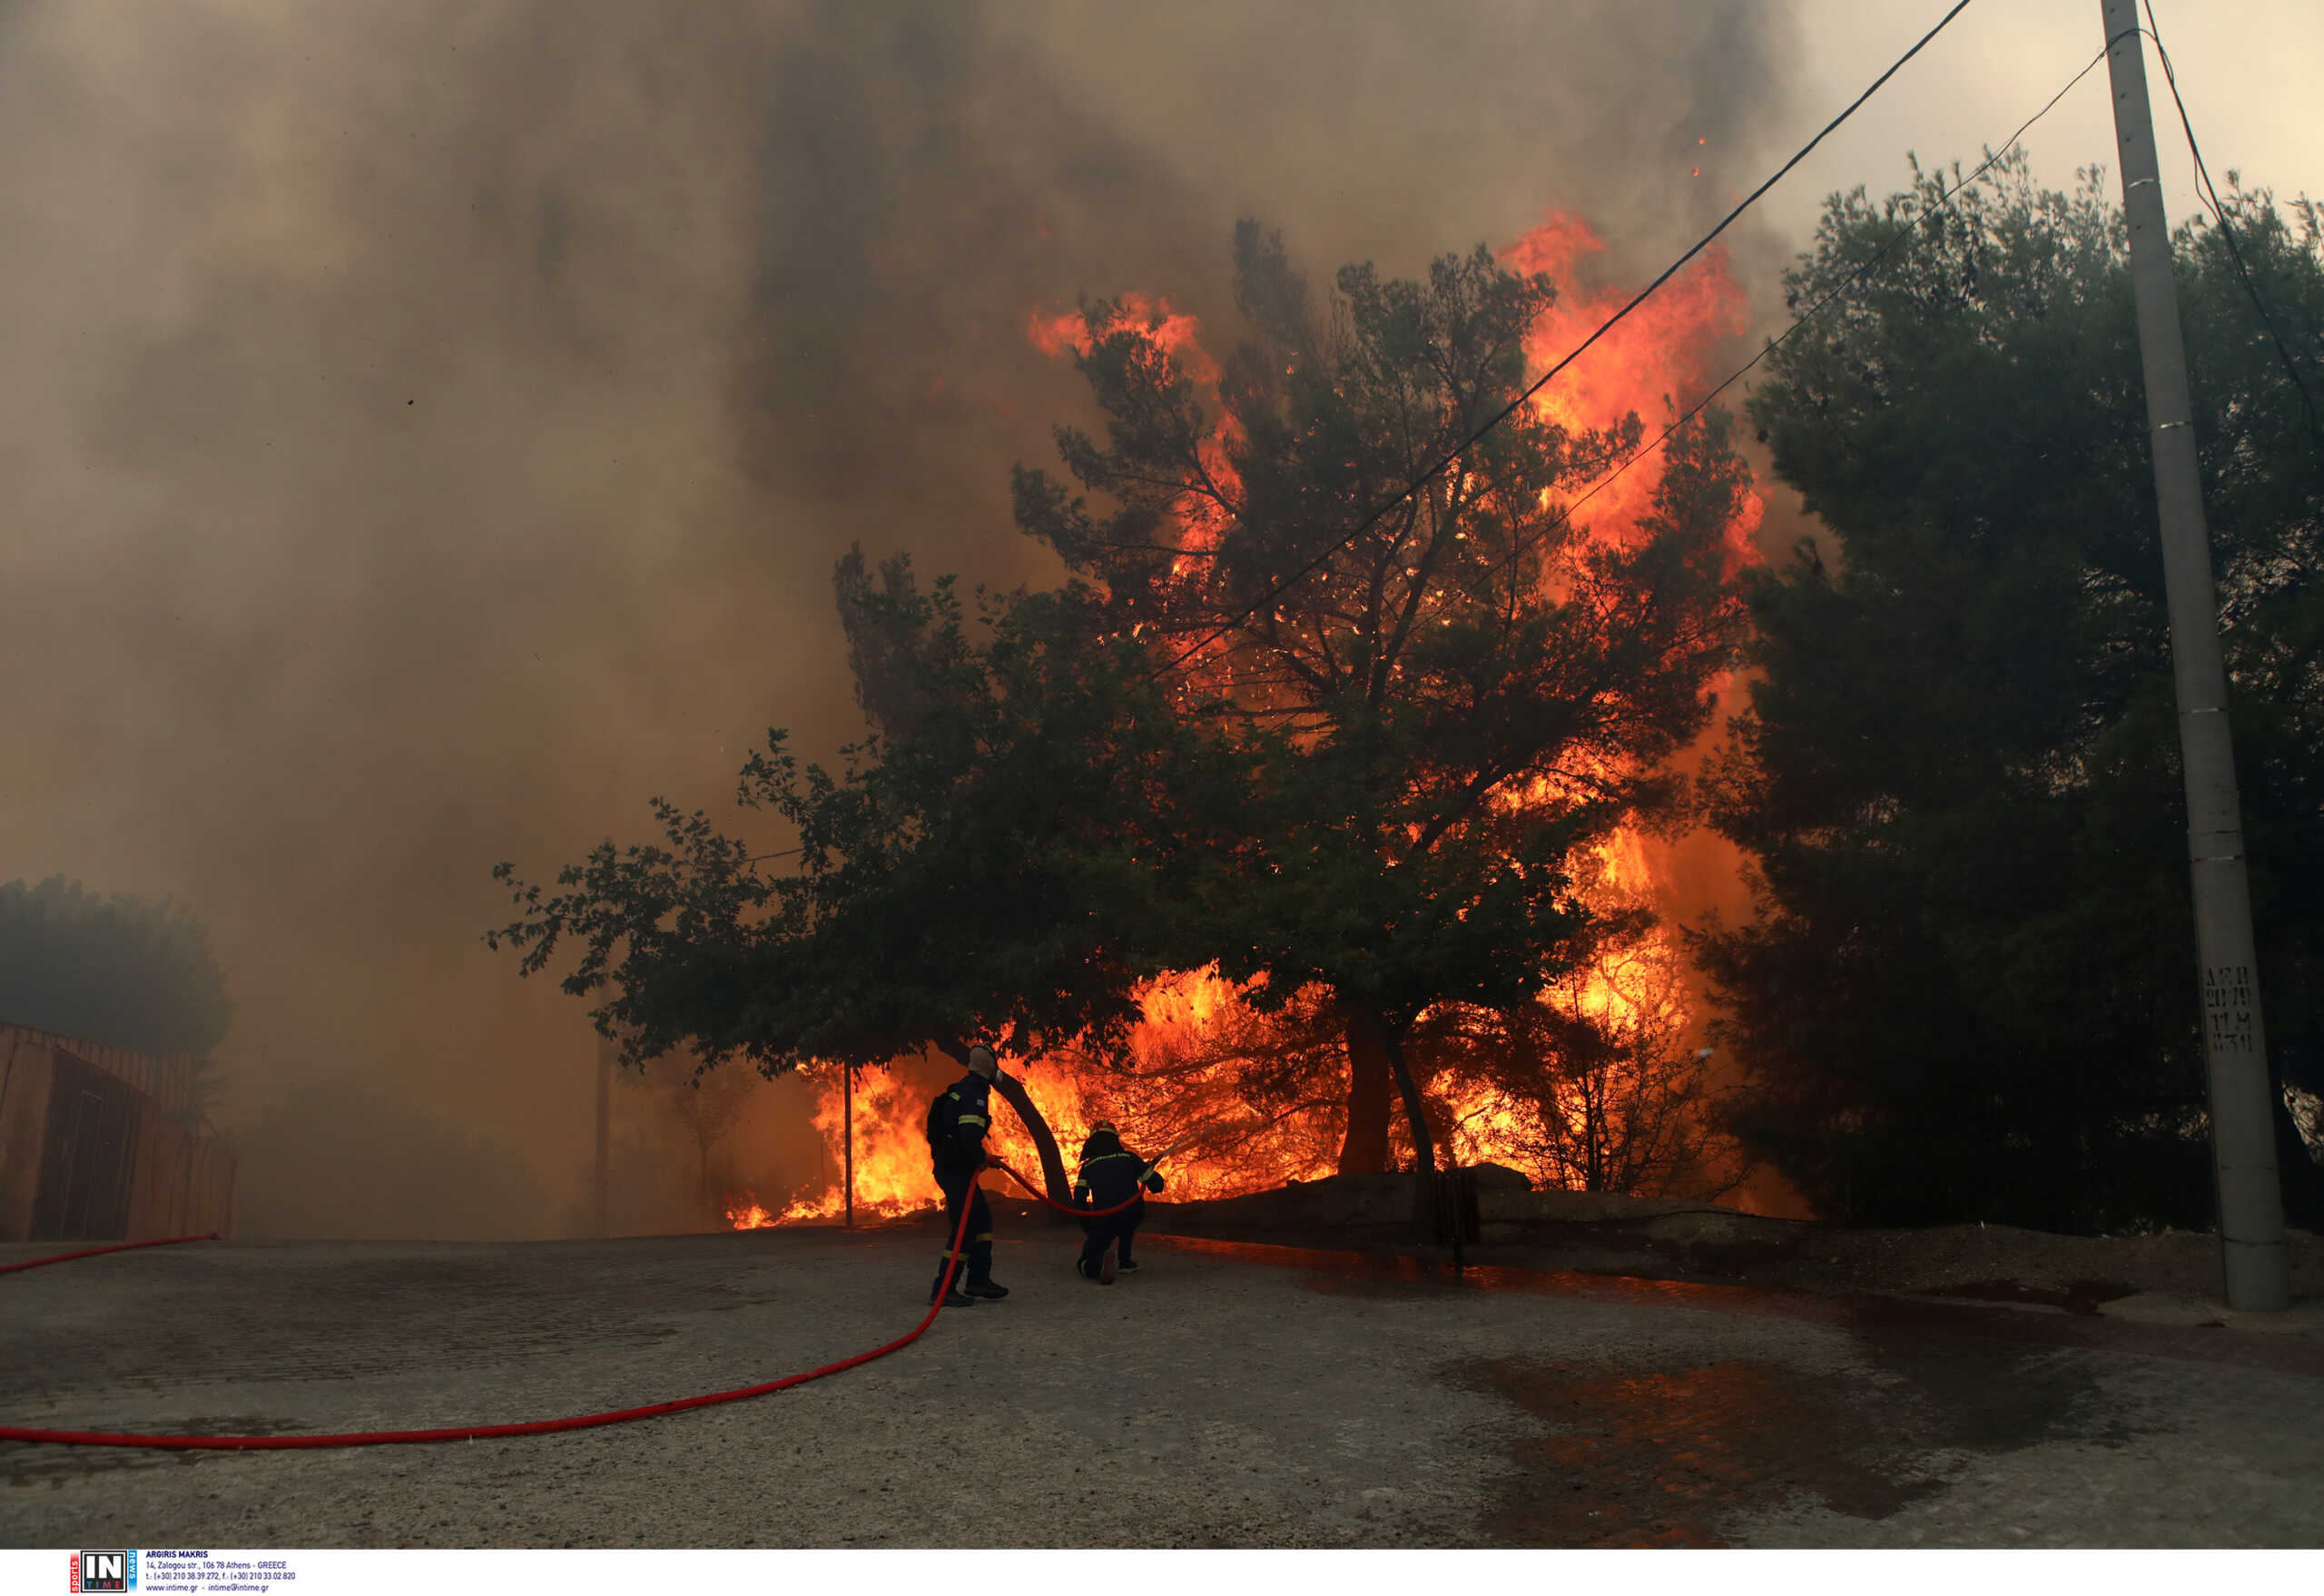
(2249, 72)
(425, 428)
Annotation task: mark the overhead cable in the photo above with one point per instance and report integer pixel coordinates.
(1993, 157)
(2209, 193)
(1452, 456)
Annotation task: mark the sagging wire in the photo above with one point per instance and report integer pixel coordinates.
(1445, 463)
(2208, 193)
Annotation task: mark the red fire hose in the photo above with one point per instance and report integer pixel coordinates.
(119, 1246)
(492, 1432)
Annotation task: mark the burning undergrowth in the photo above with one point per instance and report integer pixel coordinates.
(1596, 1087)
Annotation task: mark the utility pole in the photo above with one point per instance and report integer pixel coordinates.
(606, 1053)
(2253, 1255)
(848, 1120)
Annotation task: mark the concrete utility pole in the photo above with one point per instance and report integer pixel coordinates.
(2243, 1147)
(849, 1134)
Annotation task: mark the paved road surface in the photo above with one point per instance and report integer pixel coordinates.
(1223, 1396)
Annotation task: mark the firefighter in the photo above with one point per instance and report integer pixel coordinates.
(1111, 1175)
(957, 1122)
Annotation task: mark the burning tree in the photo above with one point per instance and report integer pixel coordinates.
(1441, 701)
(1339, 756)
(988, 869)
(1258, 1093)
(1592, 1085)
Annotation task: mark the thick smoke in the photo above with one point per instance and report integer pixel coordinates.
(428, 428)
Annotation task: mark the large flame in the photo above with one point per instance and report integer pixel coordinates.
(892, 1174)
(1178, 335)
(1188, 1066)
(1652, 364)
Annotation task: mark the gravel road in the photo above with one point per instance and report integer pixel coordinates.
(1226, 1395)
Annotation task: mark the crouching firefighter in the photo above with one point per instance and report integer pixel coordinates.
(1112, 1175)
(957, 1122)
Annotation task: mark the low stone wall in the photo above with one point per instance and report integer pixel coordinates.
(1506, 1207)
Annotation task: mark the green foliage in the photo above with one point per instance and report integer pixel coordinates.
(988, 869)
(115, 969)
(1969, 989)
(1370, 788)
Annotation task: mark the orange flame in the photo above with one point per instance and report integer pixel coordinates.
(892, 1175)
(1178, 335)
(744, 1213)
(1653, 363)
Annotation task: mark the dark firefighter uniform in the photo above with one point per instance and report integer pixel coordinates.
(1111, 1175)
(957, 1122)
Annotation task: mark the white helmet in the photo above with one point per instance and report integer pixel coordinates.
(982, 1062)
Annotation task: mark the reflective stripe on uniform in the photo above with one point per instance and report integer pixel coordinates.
(984, 1236)
(972, 1119)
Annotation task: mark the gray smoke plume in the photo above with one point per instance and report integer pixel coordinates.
(428, 428)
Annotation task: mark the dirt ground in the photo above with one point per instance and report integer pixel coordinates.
(1230, 1393)
(2168, 1276)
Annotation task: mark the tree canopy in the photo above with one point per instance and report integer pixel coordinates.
(1443, 692)
(1968, 990)
(987, 867)
(1339, 743)
(119, 969)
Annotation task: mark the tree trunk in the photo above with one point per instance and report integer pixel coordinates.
(1044, 1139)
(1593, 1131)
(1365, 1151)
(1391, 1042)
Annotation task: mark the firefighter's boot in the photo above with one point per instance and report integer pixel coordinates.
(956, 1297)
(980, 1283)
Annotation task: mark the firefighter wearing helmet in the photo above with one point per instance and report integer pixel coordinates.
(1112, 1175)
(957, 1122)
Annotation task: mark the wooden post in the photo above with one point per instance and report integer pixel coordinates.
(604, 1137)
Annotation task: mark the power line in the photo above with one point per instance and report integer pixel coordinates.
(1993, 157)
(2209, 193)
(1445, 463)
